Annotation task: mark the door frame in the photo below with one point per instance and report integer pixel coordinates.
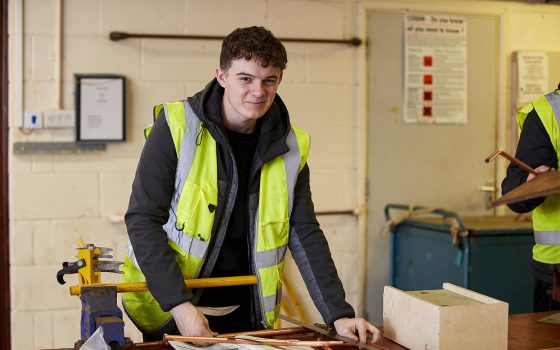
(398, 6)
(4, 218)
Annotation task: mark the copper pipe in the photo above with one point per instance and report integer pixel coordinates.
(268, 332)
(514, 160)
(271, 342)
(116, 36)
(162, 344)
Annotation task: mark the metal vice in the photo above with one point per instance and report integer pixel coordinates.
(99, 302)
(99, 309)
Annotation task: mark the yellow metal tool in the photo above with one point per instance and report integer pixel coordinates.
(90, 264)
(191, 283)
(99, 301)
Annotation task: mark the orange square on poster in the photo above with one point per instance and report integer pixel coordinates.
(428, 79)
(427, 111)
(428, 61)
(427, 95)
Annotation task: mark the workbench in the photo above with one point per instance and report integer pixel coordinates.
(524, 333)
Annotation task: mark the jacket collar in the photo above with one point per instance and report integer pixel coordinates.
(274, 125)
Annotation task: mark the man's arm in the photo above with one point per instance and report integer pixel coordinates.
(536, 150)
(312, 255)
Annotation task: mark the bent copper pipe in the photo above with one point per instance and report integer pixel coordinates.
(514, 160)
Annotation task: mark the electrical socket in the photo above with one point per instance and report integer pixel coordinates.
(60, 118)
(33, 120)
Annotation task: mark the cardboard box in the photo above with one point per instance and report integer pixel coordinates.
(449, 318)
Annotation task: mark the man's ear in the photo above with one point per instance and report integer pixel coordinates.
(221, 77)
(281, 75)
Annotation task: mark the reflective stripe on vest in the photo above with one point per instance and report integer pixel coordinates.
(191, 216)
(273, 223)
(546, 217)
(189, 225)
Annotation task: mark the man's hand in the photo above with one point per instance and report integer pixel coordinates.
(191, 321)
(357, 329)
(541, 169)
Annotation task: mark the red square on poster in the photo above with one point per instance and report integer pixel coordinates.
(427, 95)
(427, 111)
(427, 79)
(428, 61)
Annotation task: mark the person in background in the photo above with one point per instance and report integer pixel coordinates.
(222, 189)
(539, 147)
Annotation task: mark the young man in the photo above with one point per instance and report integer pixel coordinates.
(222, 189)
(539, 147)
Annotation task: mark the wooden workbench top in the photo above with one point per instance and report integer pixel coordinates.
(524, 333)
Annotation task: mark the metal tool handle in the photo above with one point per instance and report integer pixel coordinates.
(68, 268)
(444, 213)
(190, 283)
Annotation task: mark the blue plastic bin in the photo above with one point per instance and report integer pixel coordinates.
(491, 256)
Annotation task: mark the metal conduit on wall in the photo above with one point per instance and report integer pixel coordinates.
(116, 36)
(337, 212)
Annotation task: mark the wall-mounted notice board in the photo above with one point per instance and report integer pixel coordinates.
(534, 74)
(100, 107)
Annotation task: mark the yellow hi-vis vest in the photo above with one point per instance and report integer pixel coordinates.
(191, 215)
(546, 217)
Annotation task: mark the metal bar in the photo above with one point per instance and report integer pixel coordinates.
(264, 341)
(116, 36)
(336, 212)
(191, 283)
(57, 147)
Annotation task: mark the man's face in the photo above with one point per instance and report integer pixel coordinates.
(249, 92)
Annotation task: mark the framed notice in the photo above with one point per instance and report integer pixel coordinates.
(100, 107)
(532, 76)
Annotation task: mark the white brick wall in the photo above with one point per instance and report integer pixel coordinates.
(58, 198)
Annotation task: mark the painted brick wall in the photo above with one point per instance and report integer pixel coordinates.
(56, 199)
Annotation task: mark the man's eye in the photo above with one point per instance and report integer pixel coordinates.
(245, 79)
(270, 81)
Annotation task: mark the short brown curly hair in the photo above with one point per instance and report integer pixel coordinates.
(253, 43)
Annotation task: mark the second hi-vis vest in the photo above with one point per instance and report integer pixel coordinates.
(546, 217)
(191, 215)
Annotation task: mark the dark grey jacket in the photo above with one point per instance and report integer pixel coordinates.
(153, 189)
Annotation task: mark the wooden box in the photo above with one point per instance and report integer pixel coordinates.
(449, 318)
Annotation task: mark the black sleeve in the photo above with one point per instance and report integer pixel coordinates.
(148, 210)
(312, 255)
(534, 149)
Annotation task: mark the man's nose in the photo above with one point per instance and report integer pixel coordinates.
(257, 90)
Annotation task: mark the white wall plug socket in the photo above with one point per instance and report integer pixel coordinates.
(33, 120)
(60, 118)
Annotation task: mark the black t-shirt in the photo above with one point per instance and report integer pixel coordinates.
(233, 259)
